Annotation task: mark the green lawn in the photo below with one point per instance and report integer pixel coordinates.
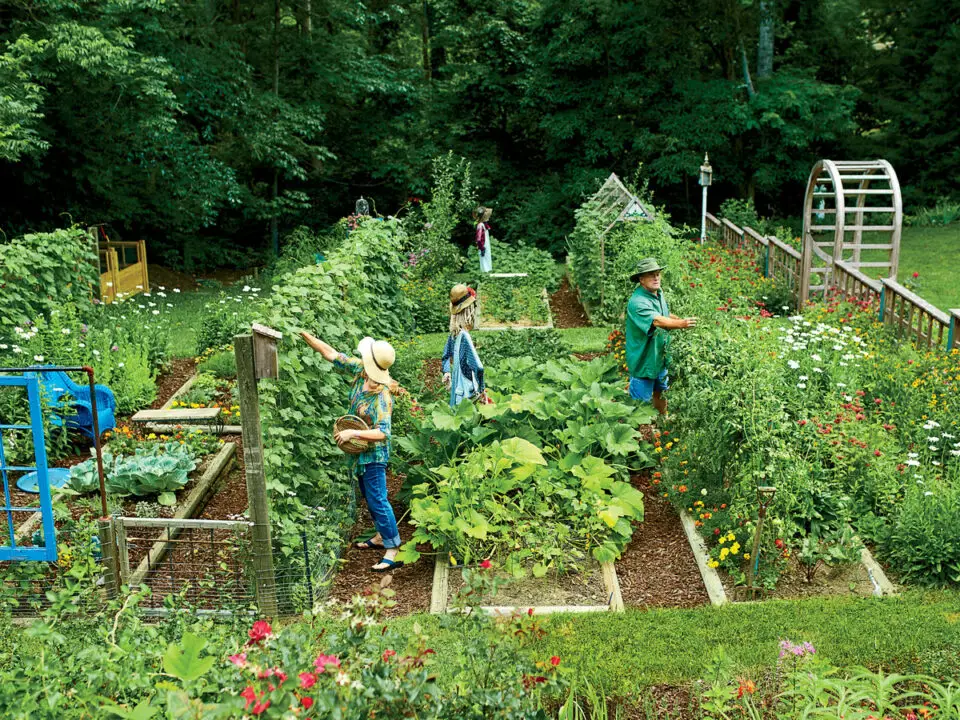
(934, 252)
(916, 632)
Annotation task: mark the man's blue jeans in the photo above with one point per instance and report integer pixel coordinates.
(373, 487)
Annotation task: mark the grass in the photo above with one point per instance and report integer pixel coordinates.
(185, 318)
(934, 253)
(916, 632)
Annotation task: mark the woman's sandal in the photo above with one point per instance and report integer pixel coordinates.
(390, 565)
(368, 545)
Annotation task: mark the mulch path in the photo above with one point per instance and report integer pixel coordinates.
(412, 584)
(171, 379)
(566, 308)
(657, 568)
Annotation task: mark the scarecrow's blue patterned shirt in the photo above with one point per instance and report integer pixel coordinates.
(376, 409)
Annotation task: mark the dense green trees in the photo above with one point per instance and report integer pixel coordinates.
(203, 124)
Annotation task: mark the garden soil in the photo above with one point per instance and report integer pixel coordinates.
(566, 308)
(849, 579)
(555, 589)
(657, 568)
(413, 584)
(170, 279)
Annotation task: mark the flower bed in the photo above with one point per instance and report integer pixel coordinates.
(852, 427)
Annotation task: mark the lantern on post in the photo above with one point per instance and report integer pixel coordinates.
(706, 179)
(362, 207)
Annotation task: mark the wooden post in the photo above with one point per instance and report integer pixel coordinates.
(256, 479)
(953, 339)
(142, 259)
(108, 548)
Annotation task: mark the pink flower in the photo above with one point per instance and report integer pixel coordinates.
(239, 660)
(324, 661)
(260, 631)
(486, 564)
(280, 675)
(307, 680)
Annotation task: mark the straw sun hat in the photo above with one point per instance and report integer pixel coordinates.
(461, 297)
(377, 356)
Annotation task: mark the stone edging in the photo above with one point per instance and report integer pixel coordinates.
(165, 429)
(441, 585)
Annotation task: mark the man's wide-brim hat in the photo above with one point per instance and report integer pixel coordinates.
(461, 297)
(645, 266)
(377, 356)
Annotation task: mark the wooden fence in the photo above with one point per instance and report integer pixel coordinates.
(123, 268)
(908, 314)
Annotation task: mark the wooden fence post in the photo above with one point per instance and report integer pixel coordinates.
(256, 479)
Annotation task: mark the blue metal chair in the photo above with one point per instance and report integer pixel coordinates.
(56, 384)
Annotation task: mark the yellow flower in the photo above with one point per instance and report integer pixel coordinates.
(713, 564)
(723, 553)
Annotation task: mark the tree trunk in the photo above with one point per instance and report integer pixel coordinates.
(425, 36)
(746, 73)
(765, 45)
(274, 228)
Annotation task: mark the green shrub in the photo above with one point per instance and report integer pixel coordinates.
(221, 365)
(512, 301)
(44, 271)
(225, 317)
(539, 265)
(203, 391)
(542, 346)
(945, 212)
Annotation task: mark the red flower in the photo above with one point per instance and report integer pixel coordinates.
(801, 423)
(877, 453)
(387, 654)
(530, 612)
(486, 564)
(261, 630)
(878, 401)
(554, 661)
(916, 275)
(779, 543)
(248, 694)
(260, 707)
(307, 702)
(307, 680)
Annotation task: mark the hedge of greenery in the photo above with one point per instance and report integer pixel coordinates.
(356, 292)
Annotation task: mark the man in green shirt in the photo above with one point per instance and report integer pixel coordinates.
(648, 339)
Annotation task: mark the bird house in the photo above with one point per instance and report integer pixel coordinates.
(265, 351)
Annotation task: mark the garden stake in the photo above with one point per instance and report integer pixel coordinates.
(765, 495)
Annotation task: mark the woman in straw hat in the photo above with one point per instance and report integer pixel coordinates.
(371, 400)
(462, 369)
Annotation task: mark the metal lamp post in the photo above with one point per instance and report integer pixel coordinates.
(706, 178)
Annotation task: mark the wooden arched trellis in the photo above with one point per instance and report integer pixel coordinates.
(852, 213)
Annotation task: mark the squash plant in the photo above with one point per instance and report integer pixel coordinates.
(508, 502)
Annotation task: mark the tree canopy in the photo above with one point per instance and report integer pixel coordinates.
(207, 126)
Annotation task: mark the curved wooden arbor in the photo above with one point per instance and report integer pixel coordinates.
(852, 214)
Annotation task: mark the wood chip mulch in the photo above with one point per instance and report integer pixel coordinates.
(657, 568)
(566, 308)
(413, 584)
(171, 379)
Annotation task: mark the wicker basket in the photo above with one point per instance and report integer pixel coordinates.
(351, 422)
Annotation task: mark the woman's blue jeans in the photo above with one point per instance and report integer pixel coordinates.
(373, 487)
